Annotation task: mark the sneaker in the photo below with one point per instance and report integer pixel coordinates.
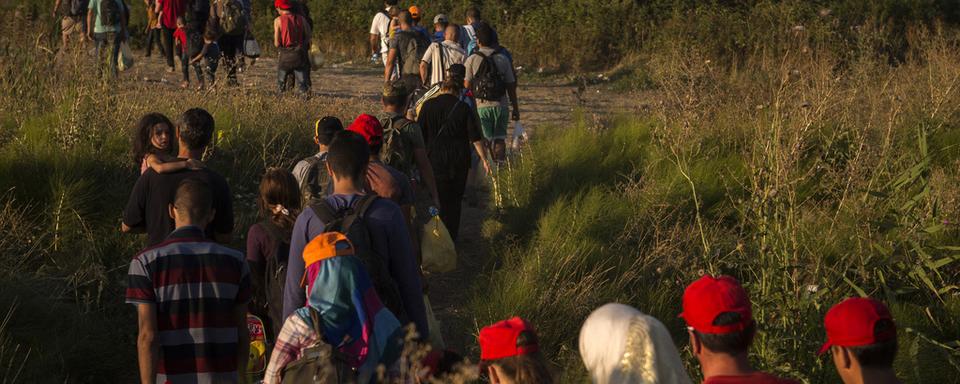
(184, 84)
(171, 69)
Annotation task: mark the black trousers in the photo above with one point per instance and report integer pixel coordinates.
(153, 36)
(451, 188)
(231, 46)
(167, 37)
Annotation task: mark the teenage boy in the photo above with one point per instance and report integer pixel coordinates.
(720, 325)
(409, 154)
(191, 296)
(146, 209)
(440, 23)
(388, 237)
(311, 172)
(492, 96)
(862, 339)
(401, 55)
(380, 33)
(107, 25)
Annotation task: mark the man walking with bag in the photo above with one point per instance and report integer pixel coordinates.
(291, 35)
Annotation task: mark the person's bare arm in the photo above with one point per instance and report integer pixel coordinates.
(148, 350)
(276, 32)
(426, 171)
(388, 68)
(124, 228)
(482, 152)
(199, 56)
(160, 167)
(56, 7)
(423, 71)
(158, 10)
(90, 25)
(375, 43)
(243, 341)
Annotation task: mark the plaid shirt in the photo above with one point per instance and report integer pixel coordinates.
(294, 337)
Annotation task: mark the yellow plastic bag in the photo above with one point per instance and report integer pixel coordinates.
(439, 253)
(436, 335)
(316, 57)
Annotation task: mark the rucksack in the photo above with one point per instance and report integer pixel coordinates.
(394, 151)
(233, 19)
(78, 7)
(275, 274)
(411, 45)
(488, 83)
(351, 222)
(110, 12)
(316, 183)
(319, 363)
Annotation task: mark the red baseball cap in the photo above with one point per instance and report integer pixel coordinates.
(708, 297)
(282, 4)
(368, 127)
(500, 340)
(851, 323)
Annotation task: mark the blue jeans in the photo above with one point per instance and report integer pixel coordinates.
(302, 77)
(102, 39)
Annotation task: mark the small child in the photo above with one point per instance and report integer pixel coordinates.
(180, 47)
(209, 51)
(152, 148)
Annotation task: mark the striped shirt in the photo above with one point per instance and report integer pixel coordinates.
(196, 286)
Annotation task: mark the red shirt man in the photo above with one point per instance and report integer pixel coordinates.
(170, 10)
(720, 324)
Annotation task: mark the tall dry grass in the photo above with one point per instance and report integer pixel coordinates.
(809, 176)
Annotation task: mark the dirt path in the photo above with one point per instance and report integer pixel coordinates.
(359, 86)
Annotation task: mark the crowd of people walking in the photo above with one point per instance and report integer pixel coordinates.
(333, 266)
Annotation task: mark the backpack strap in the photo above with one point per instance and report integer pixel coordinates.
(273, 232)
(315, 319)
(359, 210)
(324, 212)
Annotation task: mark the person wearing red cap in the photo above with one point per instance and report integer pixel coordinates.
(510, 353)
(862, 338)
(384, 180)
(291, 36)
(721, 328)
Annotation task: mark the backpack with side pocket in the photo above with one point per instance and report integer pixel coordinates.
(316, 183)
(319, 363)
(351, 221)
(488, 83)
(110, 12)
(395, 151)
(411, 46)
(233, 18)
(275, 275)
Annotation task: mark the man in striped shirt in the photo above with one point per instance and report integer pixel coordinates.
(191, 296)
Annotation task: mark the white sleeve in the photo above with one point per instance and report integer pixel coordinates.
(374, 26)
(428, 55)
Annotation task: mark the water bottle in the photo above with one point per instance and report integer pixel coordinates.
(434, 212)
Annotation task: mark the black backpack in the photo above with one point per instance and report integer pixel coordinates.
(351, 222)
(395, 151)
(316, 183)
(275, 275)
(411, 45)
(488, 83)
(110, 12)
(78, 7)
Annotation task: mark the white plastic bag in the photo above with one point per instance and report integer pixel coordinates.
(519, 136)
(437, 248)
(125, 58)
(316, 57)
(251, 48)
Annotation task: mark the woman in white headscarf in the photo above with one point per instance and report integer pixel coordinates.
(619, 344)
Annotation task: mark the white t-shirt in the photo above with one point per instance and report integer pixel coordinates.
(452, 54)
(381, 26)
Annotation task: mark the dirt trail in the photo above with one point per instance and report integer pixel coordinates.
(540, 104)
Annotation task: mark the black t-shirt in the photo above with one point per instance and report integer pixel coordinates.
(148, 206)
(449, 127)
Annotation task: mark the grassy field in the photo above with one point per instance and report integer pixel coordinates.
(811, 154)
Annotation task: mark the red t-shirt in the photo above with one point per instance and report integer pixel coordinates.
(172, 9)
(753, 378)
(181, 37)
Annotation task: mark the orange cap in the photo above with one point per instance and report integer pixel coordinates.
(414, 11)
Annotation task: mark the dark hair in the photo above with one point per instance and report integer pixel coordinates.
(193, 199)
(196, 128)
(879, 355)
(143, 136)
(484, 34)
(528, 368)
(732, 343)
(474, 13)
(279, 187)
(326, 128)
(348, 156)
(405, 17)
(395, 101)
(391, 2)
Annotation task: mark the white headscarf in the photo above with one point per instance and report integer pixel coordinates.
(619, 344)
